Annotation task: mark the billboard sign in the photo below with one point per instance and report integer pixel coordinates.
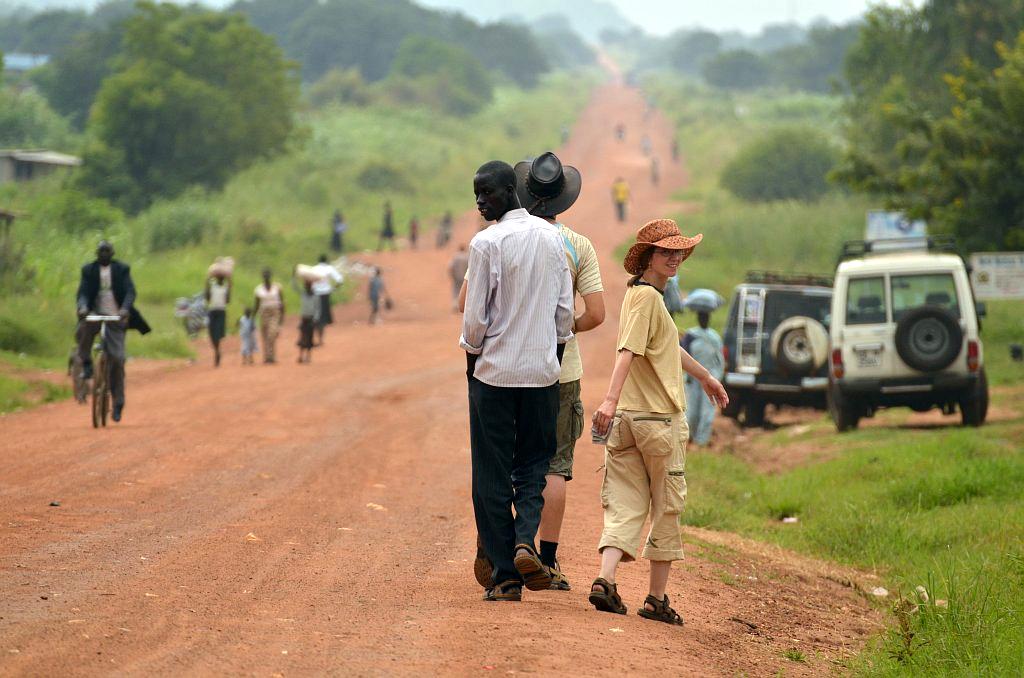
(998, 275)
(885, 225)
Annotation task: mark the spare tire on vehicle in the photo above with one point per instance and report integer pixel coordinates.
(799, 345)
(929, 338)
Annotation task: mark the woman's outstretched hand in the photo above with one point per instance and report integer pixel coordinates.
(715, 391)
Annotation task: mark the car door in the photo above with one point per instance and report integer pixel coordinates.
(867, 335)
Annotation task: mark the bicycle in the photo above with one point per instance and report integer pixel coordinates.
(101, 399)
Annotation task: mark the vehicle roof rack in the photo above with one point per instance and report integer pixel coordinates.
(853, 249)
(777, 278)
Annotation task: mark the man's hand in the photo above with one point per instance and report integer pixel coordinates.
(603, 417)
(123, 313)
(82, 312)
(715, 391)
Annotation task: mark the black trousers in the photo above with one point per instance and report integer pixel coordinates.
(512, 434)
(114, 347)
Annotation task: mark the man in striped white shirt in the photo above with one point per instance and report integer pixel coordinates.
(518, 317)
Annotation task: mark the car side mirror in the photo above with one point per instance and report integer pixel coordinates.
(981, 309)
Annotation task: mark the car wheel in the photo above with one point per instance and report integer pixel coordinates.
(928, 338)
(974, 404)
(845, 411)
(795, 355)
(753, 411)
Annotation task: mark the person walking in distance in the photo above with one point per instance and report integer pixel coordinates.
(218, 296)
(518, 317)
(620, 196)
(269, 307)
(377, 292)
(247, 334)
(705, 345)
(655, 171)
(414, 231)
(322, 288)
(309, 310)
(106, 288)
(387, 229)
(338, 228)
(444, 231)
(643, 419)
(458, 268)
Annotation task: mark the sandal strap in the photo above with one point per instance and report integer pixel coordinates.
(609, 588)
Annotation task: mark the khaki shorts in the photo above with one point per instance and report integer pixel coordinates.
(570, 428)
(645, 461)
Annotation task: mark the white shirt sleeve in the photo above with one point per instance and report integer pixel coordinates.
(479, 287)
(565, 312)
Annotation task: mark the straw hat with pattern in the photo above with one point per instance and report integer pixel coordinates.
(662, 233)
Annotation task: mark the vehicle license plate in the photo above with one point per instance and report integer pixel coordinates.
(869, 358)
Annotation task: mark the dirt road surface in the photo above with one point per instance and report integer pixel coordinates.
(316, 519)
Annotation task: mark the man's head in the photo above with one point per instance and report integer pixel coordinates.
(703, 319)
(495, 188)
(323, 258)
(266, 275)
(104, 253)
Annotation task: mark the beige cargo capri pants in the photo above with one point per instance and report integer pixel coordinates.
(645, 460)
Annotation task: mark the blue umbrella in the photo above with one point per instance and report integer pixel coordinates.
(702, 299)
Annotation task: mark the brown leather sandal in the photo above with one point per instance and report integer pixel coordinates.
(535, 573)
(661, 612)
(607, 599)
(507, 591)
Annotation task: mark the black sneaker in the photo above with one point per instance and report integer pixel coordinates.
(116, 415)
(87, 370)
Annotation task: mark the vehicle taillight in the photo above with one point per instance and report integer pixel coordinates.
(972, 356)
(837, 364)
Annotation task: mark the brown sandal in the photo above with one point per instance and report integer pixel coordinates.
(606, 600)
(535, 573)
(661, 612)
(510, 590)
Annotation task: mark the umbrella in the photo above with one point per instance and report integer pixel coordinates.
(703, 300)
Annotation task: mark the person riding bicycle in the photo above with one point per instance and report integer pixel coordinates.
(106, 288)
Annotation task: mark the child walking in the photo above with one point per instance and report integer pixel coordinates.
(247, 332)
(309, 311)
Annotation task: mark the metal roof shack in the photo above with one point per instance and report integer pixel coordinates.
(17, 62)
(25, 165)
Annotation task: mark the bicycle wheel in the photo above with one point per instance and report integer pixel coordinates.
(100, 391)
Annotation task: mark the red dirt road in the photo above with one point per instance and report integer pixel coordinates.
(305, 520)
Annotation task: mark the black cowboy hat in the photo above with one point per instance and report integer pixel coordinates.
(546, 187)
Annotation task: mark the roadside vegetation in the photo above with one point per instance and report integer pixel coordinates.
(937, 507)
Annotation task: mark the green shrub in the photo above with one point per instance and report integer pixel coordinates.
(378, 175)
(17, 337)
(179, 223)
(73, 211)
(339, 86)
(252, 231)
(786, 164)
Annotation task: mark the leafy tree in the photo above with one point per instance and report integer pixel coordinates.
(339, 87)
(26, 121)
(738, 69)
(817, 64)
(971, 180)
(688, 52)
(440, 75)
(197, 96)
(786, 164)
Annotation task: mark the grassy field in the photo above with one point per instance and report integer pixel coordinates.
(941, 508)
(274, 214)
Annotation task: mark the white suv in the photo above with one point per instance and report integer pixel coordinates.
(904, 332)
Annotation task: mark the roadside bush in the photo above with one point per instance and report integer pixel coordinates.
(183, 222)
(17, 337)
(253, 231)
(787, 164)
(73, 211)
(381, 176)
(339, 86)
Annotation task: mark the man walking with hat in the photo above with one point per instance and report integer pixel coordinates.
(518, 317)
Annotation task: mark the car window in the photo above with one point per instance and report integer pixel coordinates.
(780, 305)
(928, 289)
(865, 301)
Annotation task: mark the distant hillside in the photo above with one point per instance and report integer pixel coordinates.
(588, 17)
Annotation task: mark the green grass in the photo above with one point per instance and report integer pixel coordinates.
(292, 198)
(942, 509)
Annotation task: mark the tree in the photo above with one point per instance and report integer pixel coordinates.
(738, 69)
(197, 96)
(442, 75)
(971, 180)
(688, 52)
(786, 164)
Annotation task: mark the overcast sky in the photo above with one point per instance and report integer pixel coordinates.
(663, 16)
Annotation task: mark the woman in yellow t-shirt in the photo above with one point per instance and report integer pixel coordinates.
(644, 419)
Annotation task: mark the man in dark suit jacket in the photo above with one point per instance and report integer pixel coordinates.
(106, 288)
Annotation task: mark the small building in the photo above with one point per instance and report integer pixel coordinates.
(25, 165)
